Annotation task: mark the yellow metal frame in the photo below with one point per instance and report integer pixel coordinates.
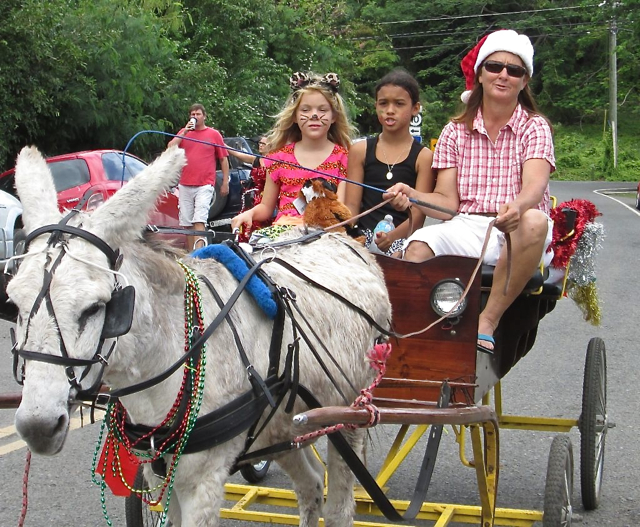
(484, 446)
(247, 496)
(523, 422)
(484, 438)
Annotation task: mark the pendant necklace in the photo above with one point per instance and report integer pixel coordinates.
(386, 159)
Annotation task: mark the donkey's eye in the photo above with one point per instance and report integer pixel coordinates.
(88, 313)
(92, 310)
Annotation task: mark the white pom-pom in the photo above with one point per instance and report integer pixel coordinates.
(465, 96)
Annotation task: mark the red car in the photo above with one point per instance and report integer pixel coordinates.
(93, 176)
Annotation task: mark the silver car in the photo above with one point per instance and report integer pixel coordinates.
(10, 221)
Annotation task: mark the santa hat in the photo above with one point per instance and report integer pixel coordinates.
(503, 40)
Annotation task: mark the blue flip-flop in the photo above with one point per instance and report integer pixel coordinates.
(488, 338)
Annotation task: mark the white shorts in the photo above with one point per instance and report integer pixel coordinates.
(464, 235)
(194, 204)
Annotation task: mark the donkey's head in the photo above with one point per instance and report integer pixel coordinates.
(65, 289)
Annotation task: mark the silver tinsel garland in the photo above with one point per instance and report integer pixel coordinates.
(582, 269)
(581, 280)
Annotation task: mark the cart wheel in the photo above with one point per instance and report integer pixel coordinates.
(558, 491)
(137, 512)
(256, 472)
(593, 423)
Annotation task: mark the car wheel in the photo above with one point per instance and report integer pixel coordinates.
(255, 472)
(218, 203)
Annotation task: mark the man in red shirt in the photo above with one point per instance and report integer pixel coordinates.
(198, 179)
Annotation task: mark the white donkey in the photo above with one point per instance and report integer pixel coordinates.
(62, 287)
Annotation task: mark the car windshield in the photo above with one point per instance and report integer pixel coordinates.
(70, 173)
(112, 163)
(238, 143)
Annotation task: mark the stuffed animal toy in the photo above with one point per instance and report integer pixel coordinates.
(323, 208)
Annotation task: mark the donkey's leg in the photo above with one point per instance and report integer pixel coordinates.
(307, 474)
(340, 506)
(173, 513)
(199, 484)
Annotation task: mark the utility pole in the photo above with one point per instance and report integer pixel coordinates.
(613, 83)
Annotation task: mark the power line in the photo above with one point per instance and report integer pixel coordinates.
(482, 15)
(448, 32)
(464, 43)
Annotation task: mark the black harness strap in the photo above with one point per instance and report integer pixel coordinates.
(356, 308)
(254, 377)
(197, 343)
(278, 325)
(58, 228)
(313, 350)
(216, 427)
(368, 481)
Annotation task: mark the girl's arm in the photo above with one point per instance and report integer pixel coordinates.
(243, 156)
(425, 183)
(261, 212)
(444, 195)
(355, 172)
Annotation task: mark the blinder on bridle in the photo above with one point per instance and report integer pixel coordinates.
(117, 319)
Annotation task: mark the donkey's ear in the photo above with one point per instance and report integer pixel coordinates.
(36, 190)
(123, 216)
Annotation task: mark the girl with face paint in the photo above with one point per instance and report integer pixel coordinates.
(313, 132)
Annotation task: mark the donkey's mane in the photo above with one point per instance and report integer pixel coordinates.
(157, 261)
(160, 245)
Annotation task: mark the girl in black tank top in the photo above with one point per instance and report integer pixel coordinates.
(392, 157)
(376, 176)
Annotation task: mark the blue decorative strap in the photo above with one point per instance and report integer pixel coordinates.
(238, 268)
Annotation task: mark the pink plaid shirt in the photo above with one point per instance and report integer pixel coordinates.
(491, 174)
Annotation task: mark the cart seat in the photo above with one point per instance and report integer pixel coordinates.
(536, 281)
(551, 281)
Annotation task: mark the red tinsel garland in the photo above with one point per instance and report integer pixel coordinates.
(564, 247)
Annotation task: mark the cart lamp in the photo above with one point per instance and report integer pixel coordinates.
(444, 297)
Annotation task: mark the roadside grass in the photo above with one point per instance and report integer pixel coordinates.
(584, 153)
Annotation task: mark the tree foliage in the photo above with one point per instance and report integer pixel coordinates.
(78, 74)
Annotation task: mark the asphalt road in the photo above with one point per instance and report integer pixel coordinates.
(547, 382)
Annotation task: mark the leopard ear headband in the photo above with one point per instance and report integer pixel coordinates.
(300, 80)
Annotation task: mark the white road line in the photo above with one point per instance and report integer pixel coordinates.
(74, 424)
(606, 191)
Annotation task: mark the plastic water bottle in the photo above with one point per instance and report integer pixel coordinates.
(384, 225)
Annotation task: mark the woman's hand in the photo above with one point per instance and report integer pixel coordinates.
(246, 218)
(400, 194)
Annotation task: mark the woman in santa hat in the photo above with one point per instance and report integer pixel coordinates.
(493, 163)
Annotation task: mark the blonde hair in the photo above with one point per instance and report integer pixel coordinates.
(286, 130)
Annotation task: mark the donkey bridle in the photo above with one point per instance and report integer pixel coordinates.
(118, 311)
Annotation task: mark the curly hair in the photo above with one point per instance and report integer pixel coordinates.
(286, 130)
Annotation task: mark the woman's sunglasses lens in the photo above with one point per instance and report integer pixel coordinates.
(513, 70)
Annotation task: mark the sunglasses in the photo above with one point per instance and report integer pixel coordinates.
(513, 70)
(262, 143)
